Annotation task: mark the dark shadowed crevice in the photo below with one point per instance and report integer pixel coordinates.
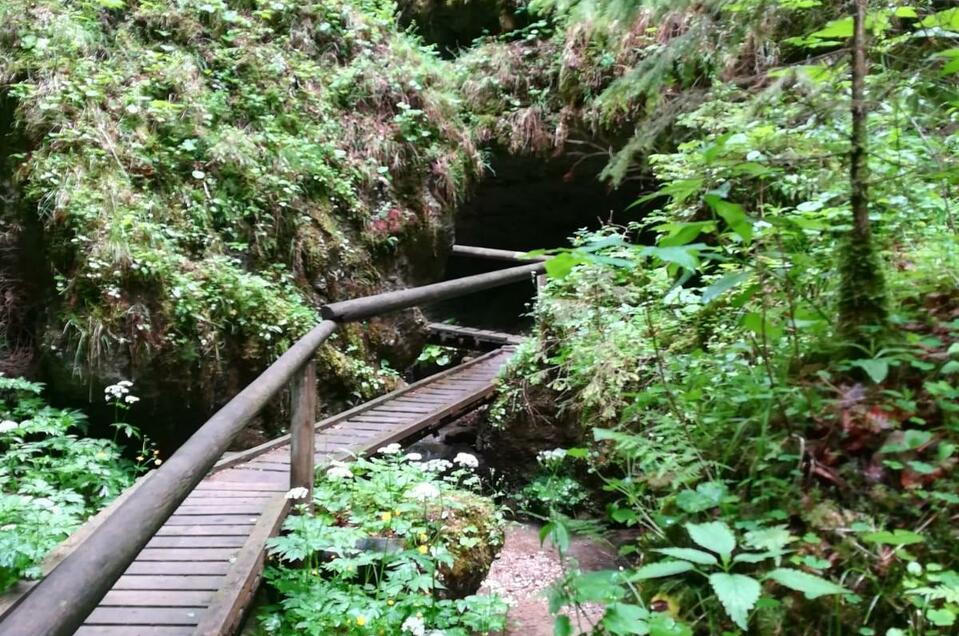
(527, 203)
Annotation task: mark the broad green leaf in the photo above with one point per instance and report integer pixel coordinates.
(715, 536)
(562, 626)
(621, 618)
(898, 537)
(561, 265)
(679, 191)
(810, 585)
(111, 4)
(724, 284)
(757, 557)
(941, 617)
(775, 538)
(683, 233)
(737, 593)
(835, 30)
(948, 19)
(661, 569)
(876, 369)
(905, 12)
(679, 255)
(689, 554)
(662, 624)
(911, 440)
(600, 587)
(733, 215)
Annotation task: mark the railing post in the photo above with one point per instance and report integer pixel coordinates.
(303, 419)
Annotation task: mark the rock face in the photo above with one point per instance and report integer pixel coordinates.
(197, 179)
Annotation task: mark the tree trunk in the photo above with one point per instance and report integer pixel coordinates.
(862, 300)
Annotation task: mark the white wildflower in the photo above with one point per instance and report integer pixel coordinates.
(131, 399)
(436, 632)
(424, 492)
(466, 460)
(413, 457)
(392, 449)
(8, 425)
(339, 472)
(550, 456)
(437, 465)
(414, 625)
(297, 493)
(125, 383)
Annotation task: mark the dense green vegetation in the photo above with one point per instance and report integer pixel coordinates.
(52, 477)
(791, 476)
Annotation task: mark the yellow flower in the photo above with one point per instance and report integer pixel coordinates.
(157, 461)
(361, 620)
(156, 452)
(139, 458)
(423, 537)
(423, 549)
(389, 601)
(386, 517)
(396, 513)
(315, 572)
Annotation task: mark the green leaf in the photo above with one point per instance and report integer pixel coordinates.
(737, 593)
(941, 617)
(562, 626)
(810, 585)
(600, 586)
(948, 19)
(561, 265)
(679, 255)
(683, 233)
(837, 29)
(689, 554)
(898, 537)
(905, 12)
(724, 284)
(877, 370)
(911, 440)
(715, 536)
(111, 4)
(661, 569)
(733, 214)
(775, 538)
(626, 619)
(558, 533)
(679, 191)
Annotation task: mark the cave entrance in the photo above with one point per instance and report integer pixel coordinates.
(526, 203)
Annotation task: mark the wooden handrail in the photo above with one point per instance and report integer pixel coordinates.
(58, 604)
(369, 306)
(494, 254)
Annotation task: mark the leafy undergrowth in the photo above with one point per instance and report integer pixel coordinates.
(395, 546)
(789, 479)
(205, 173)
(52, 478)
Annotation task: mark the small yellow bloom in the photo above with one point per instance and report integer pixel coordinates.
(139, 458)
(386, 517)
(389, 601)
(315, 572)
(423, 549)
(396, 513)
(423, 537)
(156, 452)
(361, 620)
(157, 461)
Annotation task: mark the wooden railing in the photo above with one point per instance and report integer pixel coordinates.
(60, 603)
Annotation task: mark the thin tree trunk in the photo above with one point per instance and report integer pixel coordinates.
(857, 164)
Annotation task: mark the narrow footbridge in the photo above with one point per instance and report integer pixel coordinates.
(182, 551)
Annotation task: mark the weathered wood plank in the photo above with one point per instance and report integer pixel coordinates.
(197, 542)
(186, 554)
(156, 598)
(205, 568)
(135, 630)
(201, 530)
(145, 616)
(206, 583)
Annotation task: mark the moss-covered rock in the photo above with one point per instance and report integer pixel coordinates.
(473, 533)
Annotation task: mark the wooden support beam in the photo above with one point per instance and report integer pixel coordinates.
(494, 254)
(303, 398)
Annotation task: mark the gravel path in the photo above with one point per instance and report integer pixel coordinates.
(524, 570)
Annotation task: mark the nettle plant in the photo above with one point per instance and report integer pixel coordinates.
(722, 564)
(51, 478)
(387, 550)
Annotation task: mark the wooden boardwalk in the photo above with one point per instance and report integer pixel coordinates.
(199, 572)
(470, 337)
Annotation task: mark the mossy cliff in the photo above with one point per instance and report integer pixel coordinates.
(206, 174)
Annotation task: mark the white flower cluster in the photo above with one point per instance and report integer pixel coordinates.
(414, 625)
(297, 493)
(436, 465)
(413, 457)
(549, 456)
(8, 425)
(392, 449)
(339, 470)
(423, 492)
(120, 392)
(466, 460)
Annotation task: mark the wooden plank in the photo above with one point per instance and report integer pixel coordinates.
(223, 482)
(228, 604)
(258, 465)
(197, 542)
(156, 598)
(135, 630)
(204, 568)
(216, 507)
(257, 479)
(145, 616)
(303, 396)
(202, 530)
(211, 520)
(241, 495)
(186, 554)
(168, 582)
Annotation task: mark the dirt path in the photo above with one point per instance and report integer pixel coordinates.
(524, 570)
